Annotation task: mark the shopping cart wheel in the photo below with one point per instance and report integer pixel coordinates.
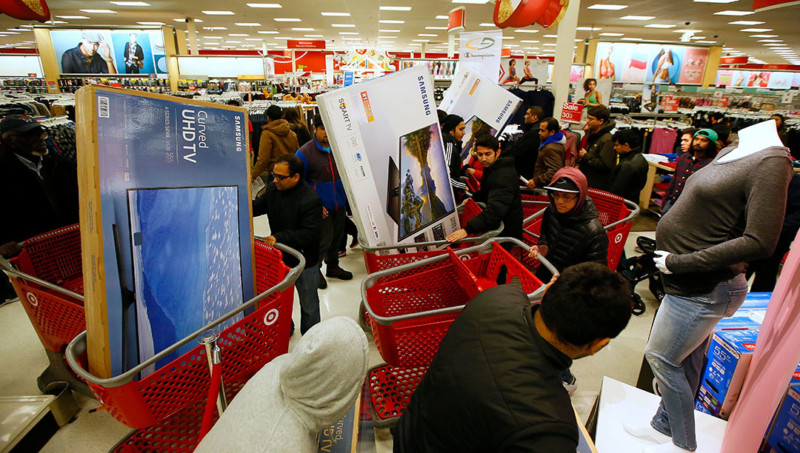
(638, 305)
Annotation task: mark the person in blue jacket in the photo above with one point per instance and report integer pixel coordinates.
(320, 172)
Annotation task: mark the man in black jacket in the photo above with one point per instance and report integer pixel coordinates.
(525, 150)
(295, 219)
(597, 158)
(630, 175)
(494, 383)
(38, 190)
(499, 190)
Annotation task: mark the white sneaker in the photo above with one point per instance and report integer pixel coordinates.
(646, 432)
(571, 386)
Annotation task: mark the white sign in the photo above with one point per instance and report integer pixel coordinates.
(386, 139)
(788, 97)
(485, 106)
(481, 52)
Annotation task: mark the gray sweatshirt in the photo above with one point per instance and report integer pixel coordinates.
(283, 407)
(729, 213)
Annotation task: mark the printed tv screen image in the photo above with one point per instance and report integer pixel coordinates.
(186, 273)
(475, 127)
(425, 183)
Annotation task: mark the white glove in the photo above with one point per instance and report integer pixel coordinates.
(661, 261)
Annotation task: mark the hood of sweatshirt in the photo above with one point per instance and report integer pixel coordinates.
(325, 372)
(280, 127)
(574, 175)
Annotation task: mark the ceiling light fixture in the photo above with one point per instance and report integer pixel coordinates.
(388, 31)
(608, 7)
(435, 28)
(659, 26)
(384, 21)
(264, 5)
(73, 17)
(150, 23)
(302, 29)
(268, 32)
(131, 3)
(525, 30)
(733, 13)
(219, 13)
(241, 35)
(395, 8)
(442, 17)
(746, 22)
(612, 34)
(588, 28)
(99, 11)
(286, 19)
(638, 17)
(472, 2)
(336, 14)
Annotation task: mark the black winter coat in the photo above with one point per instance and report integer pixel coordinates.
(493, 386)
(31, 205)
(574, 239)
(525, 150)
(600, 158)
(452, 151)
(500, 192)
(295, 219)
(629, 176)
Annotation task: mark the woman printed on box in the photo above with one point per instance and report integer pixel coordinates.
(592, 96)
(665, 63)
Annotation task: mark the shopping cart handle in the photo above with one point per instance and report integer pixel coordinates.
(78, 345)
(6, 267)
(634, 212)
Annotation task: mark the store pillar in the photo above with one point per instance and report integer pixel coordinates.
(171, 49)
(192, 35)
(564, 51)
(181, 36)
(712, 65)
(47, 55)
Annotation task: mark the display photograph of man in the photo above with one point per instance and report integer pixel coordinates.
(134, 56)
(133, 50)
(92, 55)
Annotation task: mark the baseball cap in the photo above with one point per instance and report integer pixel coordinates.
(92, 36)
(18, 123)
(709, 134)
(564, 185)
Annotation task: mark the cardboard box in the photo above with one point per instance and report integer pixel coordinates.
(386, 140)
(728, 358)
(783, 435)
(166, 222)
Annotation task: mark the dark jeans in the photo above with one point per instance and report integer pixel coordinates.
(306, 286)
(332, 231)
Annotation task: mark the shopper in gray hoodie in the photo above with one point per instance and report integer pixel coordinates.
(286, 404)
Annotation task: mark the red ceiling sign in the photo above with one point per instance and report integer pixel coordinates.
(772, 4)
(548, 13)
(456, 18)
(306, 44)
(26, 9)
(733, 60)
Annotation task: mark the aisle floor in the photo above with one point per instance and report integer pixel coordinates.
(97, 431)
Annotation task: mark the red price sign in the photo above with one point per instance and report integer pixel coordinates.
(571, 112)
(723, 102)
(670, 104)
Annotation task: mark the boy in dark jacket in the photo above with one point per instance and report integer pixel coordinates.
(630, 175)
(493, 385)
(500, 192)
(597, 157)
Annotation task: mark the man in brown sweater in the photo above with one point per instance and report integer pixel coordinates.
(551, 153)
(277, 139)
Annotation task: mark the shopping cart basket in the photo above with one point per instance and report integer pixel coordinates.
(378, 258)
(178, 386)
(47, 277)
(615, 213)
(411, 313)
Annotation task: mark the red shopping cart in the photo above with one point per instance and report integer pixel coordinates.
(615, 213)
(47, 277)
(412, 311)
(167, 406)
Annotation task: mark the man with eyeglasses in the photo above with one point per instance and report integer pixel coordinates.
(38, 190)
(295, 219)
(597, 156)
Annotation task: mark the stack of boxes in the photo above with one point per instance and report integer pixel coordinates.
(729, 354)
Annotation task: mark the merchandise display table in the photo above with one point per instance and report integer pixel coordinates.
(620, 403)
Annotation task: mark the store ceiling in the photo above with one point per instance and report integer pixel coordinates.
(366, 24)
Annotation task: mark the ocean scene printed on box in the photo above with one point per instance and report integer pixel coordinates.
(174, 299)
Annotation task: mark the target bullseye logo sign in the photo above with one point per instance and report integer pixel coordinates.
(618, 238)
(271, 317)
(32, 299)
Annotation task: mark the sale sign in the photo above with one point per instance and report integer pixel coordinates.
(571, 112)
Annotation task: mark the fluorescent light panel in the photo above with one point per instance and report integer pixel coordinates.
(384, 21)
(219, 13)
(264, 5)
(99, 11)
(72, 17)
(286, 19)
(131, 3)
(388, 31)
(746, 22)
(302, 29)
(150, 23)
(395, 8)
(756, 30)
(608, 7)
(659, 26)
(248, 24)
(268, 32)
(638, 17)
(525, 30)
(612, 34)
(336, 14)
(733, 13)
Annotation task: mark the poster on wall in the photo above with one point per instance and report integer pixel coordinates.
(517, 71)
(166, 182)
(758, 79)
(651, 98)
(94, 51)
(386, 140)
(485, 106)
(636, 63)
(593, 91)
